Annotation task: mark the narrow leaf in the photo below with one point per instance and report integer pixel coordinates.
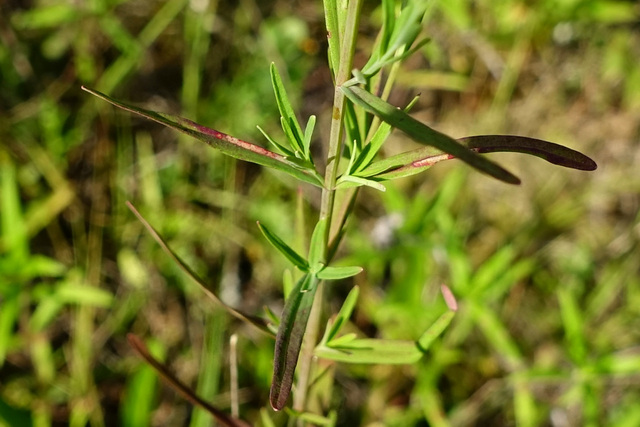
(424, 134)
(286, 110)
(291, 137)
(553, 153)
(379, 137)
(259, 323)
(350, 181)
(180, 387)
(289, 340)
(273, 142)
(337, 273)
(333, 34)
(284, 249)
(389, 352)
(316, 246)
(435, 330)
(227, 144)
(344, 340)
(416, 161)
(344, 314)
(308, 134)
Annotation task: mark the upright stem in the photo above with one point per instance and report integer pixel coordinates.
(347, 49)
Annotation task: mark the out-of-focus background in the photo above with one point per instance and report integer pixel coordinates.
(547, 273)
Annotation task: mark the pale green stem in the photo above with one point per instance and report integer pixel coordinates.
(347, 49)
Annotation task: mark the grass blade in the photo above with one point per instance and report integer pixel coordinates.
(423, 134)
(227, 144)
(289, 339)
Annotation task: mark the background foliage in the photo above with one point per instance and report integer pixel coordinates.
(547, 273)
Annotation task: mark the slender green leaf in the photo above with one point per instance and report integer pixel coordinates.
(227, 144)
(291, 137)
(289, 121)
(316, 246)
(338, 273)
(424, 134)
(344, 314)
(275, 320)
(435, 330)
(379, 137)
(289, 339)
(308, 134)
(273, 142)
(393, 166)
(342, 341)
(390, 352)
(284, 249)
(333, 34)
(349, 181)
(259, 323)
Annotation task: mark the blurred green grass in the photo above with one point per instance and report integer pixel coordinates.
(547, 273)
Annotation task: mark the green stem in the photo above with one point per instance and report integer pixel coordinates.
(347, 49)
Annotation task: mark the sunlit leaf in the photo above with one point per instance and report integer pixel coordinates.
(338, 273)
(316, 246)
(273, 142)
(349, 181)
(227, 144)
(344, 340)
(424, 134)
(344, 314)
(435, 330)
(392, 352)
(289, 121)
(308, 134)
(379, 137)
(284, 249)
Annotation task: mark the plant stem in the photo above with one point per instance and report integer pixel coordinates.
(347, 49)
